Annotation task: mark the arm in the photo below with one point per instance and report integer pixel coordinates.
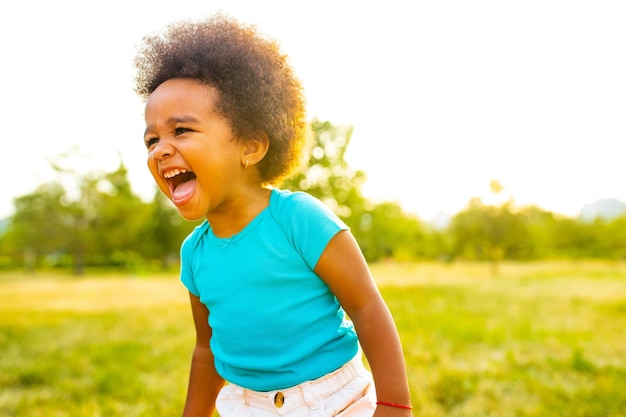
(345, 271)
(204, 382)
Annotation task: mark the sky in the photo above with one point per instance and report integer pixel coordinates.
(443, 96)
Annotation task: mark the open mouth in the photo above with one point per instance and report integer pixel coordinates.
(182, 184)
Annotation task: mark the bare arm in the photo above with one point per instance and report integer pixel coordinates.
(204, 382)
(345, 271)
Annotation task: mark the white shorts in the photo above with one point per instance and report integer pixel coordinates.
(346, 392)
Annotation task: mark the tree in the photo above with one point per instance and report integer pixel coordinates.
(163, 231)
(540, 227)
(616, 239)
(488, 232)
(116, 216)
(328, 176)
(387, 232)
(39, 225)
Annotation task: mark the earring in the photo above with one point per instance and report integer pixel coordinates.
(247, 161)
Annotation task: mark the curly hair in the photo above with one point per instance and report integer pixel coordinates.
(258, 90)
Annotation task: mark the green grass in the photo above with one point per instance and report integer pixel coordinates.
(539, 339)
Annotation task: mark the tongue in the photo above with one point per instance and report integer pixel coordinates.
(184, 190)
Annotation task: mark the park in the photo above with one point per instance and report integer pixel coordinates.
(540, 339)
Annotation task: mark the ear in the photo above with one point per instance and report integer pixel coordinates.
(255, 148)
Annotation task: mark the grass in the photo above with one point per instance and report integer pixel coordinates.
(539, 339)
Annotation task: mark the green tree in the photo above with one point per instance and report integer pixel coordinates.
(616, 239)
(116, 216)
(39, 225)
(163, 231)
(540, 228)
(98, 225)
(489, 232)
(386, 232)
(328, 176)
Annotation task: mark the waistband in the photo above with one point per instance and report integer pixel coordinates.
(306, 393)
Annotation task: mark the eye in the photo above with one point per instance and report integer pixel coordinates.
(150, 141)
(181, 130)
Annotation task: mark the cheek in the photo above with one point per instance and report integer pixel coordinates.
(154, 170)
(152, 166)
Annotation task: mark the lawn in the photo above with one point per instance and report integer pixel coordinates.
(538, 339)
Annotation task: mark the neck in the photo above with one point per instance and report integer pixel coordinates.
(239, 213)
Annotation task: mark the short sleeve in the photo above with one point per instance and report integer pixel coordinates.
(187, 251)
(308, 224)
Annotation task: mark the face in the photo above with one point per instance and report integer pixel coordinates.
(192, 153)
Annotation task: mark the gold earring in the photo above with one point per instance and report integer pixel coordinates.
(247, 161)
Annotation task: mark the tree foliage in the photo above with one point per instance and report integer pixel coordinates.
(39, 224)
(104, 224)
(328, 176)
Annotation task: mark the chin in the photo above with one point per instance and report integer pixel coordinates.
(190, 215)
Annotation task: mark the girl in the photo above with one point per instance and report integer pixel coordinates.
(279, 288)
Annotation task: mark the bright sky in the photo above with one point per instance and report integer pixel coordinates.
(444, 96)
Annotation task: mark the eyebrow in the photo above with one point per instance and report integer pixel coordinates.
(174, 120)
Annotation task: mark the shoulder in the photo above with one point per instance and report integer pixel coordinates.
(286, 204)
(192, 240)
(301, 210)
(306, 222)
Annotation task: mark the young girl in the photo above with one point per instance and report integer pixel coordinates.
(279, 288)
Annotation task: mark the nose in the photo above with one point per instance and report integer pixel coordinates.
(162, 150)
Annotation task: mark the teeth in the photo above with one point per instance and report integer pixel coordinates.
(172, 174)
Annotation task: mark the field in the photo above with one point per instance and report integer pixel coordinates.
(538, 339)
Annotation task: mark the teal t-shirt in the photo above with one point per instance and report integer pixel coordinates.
(275, 322)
